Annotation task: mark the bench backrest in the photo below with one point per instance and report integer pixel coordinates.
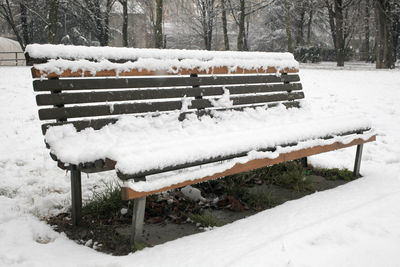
(88, 99)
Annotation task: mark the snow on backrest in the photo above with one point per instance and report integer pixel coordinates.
(63, 60)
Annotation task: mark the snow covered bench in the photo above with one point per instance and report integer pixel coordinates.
(155, 116)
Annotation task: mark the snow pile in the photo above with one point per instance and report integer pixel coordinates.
(94, 59)
(118, 53)
(144, 143)
(224, 101)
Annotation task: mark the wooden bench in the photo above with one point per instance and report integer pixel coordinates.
(79, 97)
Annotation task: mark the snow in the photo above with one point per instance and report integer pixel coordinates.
(64, 57)
(357, 224)
(118, 53)
(224, 101)
(186, 102)
(140, 144)
(159, 181)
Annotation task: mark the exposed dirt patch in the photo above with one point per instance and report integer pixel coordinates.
(94, 234)
(107, 220)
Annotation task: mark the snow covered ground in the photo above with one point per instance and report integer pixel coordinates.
(357, 224)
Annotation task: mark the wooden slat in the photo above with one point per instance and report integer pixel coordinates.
(103, 110)
(128, 193)
(126, 95)
(135, 72)
(83, 124)
(144, 82)
(100, 123)
(210, 112)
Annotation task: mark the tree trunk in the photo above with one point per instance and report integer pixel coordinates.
(241, 26)
(246, 35)
(224, 25)
(288, 30)
(366, 31)
(53, 19)
(310, 18)
(96, 9)
(300, 26)
(158, 34)
(211, 16)
(24, 23)
(106, 24)
(207, 21)
(124, 4)
(339, 33)
(384, 40)
(396, 29)
(332, 25)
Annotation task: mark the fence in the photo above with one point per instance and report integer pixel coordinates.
(12, 59)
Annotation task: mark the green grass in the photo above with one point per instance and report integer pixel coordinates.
(106, 203)
(206, 219)
(138, 246)
(292, 175)
(335, 174)
(259, 201)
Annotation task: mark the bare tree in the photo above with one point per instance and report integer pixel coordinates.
(199, 17)
(154, 10)
(158, 33)
(384, 40)
(300, 7)
(8, 13)
(125, 21)
(396, 28)
(206, 9)
(288, 27)
(367, 18)
(241, 11)
(339, 32)
(224, 24)
(311, 7)
(27, 19)
(341, 21)
(95, 14)
(53, 20)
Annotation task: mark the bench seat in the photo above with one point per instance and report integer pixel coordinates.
(142, 146)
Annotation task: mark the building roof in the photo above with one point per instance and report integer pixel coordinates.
(8, 45)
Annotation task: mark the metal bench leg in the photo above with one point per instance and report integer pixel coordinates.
(139, 206)
(357, 163)
(76, 195)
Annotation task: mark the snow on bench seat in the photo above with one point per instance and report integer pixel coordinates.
(138, 144)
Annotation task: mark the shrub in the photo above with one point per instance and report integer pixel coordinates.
(316, 54)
